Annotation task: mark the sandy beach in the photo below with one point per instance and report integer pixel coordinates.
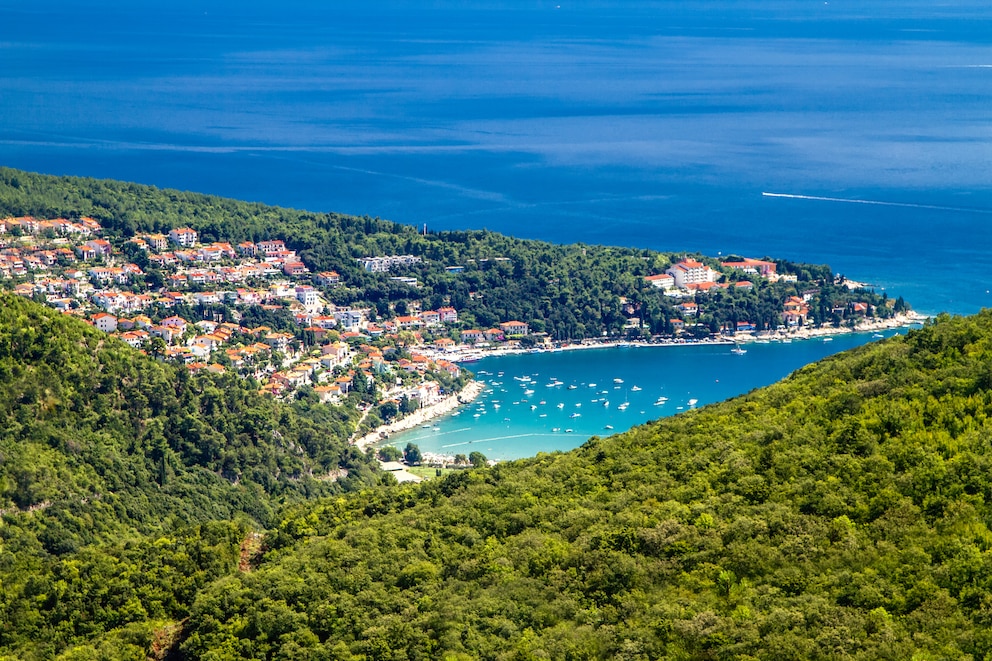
(422, 416)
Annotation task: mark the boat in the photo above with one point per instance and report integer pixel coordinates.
(635, 388)
(606, 403)
(572, 387)
(737, 350)
(608, 427)
(528, 392)
(556, 429)
(877, 335)
(575, 415)
(617, 380)
(623, 407)
(578, 404)
(660, 401)
(828, 339)
(693, 402)
(568, 431)
(561, 405)
(533, 406)
(592, 385)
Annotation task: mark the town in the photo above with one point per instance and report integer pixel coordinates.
(257, 309)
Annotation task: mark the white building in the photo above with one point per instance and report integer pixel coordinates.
(690, 272)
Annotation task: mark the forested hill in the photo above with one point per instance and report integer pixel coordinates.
(100, 444)
(841, 514)
(567, 291)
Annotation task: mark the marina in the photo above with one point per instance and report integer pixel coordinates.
(671, 380)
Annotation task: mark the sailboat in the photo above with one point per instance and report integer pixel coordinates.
(738, 350)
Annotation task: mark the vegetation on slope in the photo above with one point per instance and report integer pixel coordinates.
(843, 513)
(99, 444)
(568, 291)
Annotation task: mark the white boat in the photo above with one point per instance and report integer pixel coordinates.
(592, 385)
(617, 380)
(693, 402)
(828, 339)
(533, 406)
(737, 350)
(623, 407)
(561, 405)
(528, 392)
(660, 401)
(575, 415)
(572, 387)
(578, 404)
(606, 403)
(635, 388)
(608, 427)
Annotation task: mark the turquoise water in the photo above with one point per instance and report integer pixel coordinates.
(521, 414)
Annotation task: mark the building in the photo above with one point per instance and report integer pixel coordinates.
(514, 328)
(690, 272)
(752, 266)
(661, 281)
(308, 296)
(105, 322)
(183, 236)
(383, 264)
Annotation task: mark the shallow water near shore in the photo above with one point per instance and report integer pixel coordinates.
(522, 413)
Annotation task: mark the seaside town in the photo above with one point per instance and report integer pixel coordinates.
(205, 305)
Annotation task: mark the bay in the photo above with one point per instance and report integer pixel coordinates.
(654, 124)
(552, 401)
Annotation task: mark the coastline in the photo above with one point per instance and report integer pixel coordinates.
(471, 390)
(469, 355)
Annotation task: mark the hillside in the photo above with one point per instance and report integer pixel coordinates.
(100, 445)
(842, 513)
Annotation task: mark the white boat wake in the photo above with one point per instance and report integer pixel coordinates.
(880, 203)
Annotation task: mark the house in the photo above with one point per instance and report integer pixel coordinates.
(247, 249)
(495, 335)
(270, 247)
(690, 272)
(661, 281)
(307, 295)
(795, 311)
(183, 236)
(157, 241)
(677, 324)
(408, 322)
(105, 322)
(175, 322)
(448, 315)
(430, 318)
(514, 328)
(327, 278)
(295, 268)
(688, 308)
(472, 336)
(101, 247)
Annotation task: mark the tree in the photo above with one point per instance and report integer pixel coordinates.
(412, 454)
(390, 453)
(477, 459)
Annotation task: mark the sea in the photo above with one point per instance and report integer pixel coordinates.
(855, 134)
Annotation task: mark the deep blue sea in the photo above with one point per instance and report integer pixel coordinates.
(654, 124)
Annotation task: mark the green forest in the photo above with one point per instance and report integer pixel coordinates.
(150, 513)
(842, 513)
(570, 292)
